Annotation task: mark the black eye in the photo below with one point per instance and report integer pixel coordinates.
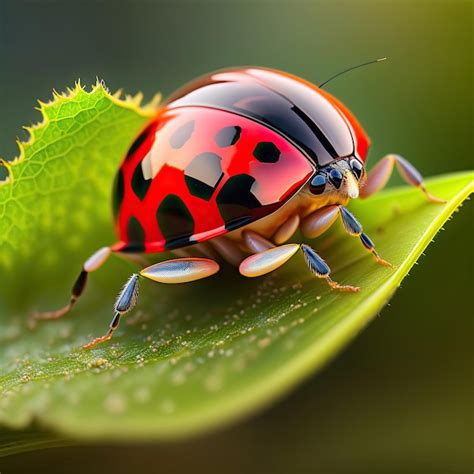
(317, 184)
(335, 176)
(356, 166)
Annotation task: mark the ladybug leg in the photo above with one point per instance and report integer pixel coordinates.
(206, 250)
(267, 260)
(286, 230)
(255, 242)
(178, 270)
(353, 227)
(321, 269)
(319, 221)
(181, 270)
(228, 250)
(270, 259)
(380, 174)
(125, 302)
(93, 263)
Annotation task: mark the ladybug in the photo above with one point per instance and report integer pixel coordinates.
(228, 169)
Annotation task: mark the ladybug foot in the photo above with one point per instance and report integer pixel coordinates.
(108, 335)
(381, 261)
(431, 197)
(343, 288)
(320, 268)
(51, 315)
(96, 341)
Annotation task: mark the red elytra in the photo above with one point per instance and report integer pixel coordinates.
(224, 151)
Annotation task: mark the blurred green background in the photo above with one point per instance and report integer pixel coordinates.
(400, 399)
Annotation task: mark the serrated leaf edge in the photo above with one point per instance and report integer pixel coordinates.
(131, 102)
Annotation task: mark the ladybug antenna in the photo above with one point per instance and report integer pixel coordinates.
(350, 69)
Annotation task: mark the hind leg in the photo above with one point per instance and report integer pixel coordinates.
(179, 270)
(93, 263)
(381, 172)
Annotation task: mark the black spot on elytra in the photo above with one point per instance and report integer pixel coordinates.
(203, 174)
(267, 152)
(182, 135)
(198, 188)
(140, 185)
(135, 235)
(175, 221)
(118, 193)
(235, 200)
(139, 141)
(227, 136)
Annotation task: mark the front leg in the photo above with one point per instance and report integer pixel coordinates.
(381, 172)
(353, 227)
(319, 221)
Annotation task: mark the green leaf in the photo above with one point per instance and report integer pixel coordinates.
(75, 149)
(191, 357)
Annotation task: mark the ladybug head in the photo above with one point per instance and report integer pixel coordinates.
(343, 176)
